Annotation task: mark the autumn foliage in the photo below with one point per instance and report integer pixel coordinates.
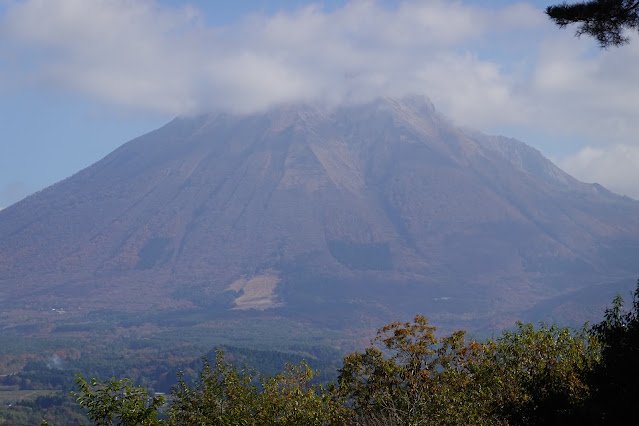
(525, 376)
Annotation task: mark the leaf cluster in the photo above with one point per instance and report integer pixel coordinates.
(525, 376)
(538, 375)
(616, 377)
(223, 395)
(118, 402)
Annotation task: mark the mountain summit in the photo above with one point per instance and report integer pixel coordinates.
(377, 209)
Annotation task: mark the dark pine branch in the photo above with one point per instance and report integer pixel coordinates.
(605, 20)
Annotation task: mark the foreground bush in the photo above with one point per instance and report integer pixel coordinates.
(223, 395)
(226, 395)
(615, 380)
(409, 377)
(117, 402)
(527, 376)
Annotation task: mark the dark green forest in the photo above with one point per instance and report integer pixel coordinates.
(545, 374)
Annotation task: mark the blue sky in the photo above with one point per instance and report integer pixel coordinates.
(78, 78)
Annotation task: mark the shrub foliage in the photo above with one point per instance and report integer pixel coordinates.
(525, 376)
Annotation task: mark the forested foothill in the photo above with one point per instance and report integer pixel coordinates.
(544, 374)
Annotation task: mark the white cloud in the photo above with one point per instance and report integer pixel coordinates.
(615, 167)
(126, 52)
(485, 67)
(149, 56)
(592, 94)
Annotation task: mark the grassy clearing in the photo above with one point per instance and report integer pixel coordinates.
(9, 395)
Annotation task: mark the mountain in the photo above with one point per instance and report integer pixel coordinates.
(372, 211)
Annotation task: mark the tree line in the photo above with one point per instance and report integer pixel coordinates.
(408, 376)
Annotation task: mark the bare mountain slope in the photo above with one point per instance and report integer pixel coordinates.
(377, 208)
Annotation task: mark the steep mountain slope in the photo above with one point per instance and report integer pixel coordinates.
(377, 209)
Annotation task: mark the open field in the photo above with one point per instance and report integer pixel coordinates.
(9, 395)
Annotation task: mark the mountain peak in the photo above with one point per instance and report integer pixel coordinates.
(357, 209)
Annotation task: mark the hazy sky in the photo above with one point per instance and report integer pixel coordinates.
(80, 77)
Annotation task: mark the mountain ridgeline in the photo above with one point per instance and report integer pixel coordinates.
(367, 211)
